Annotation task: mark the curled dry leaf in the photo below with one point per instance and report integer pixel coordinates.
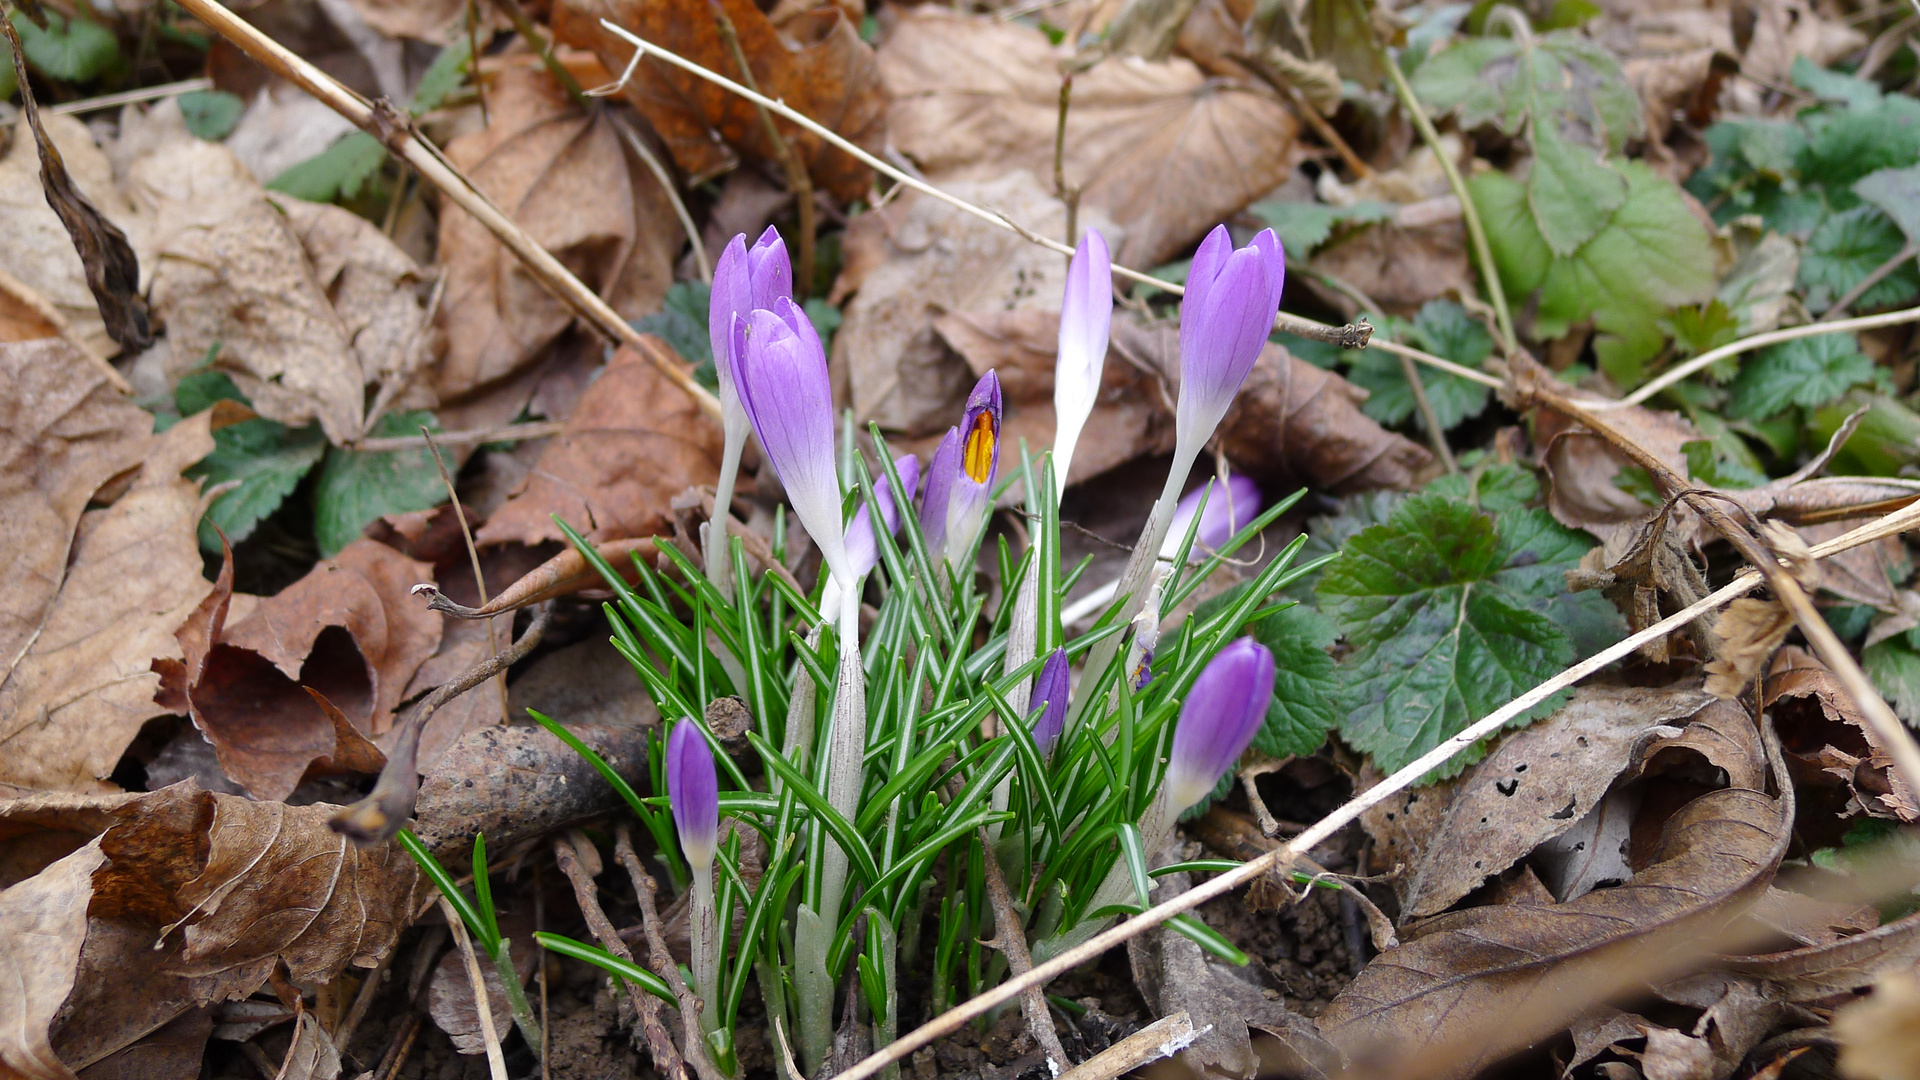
(1487, 981)
(632, 444)
(82, 684)
(1163, 151)
(1839, 764)
(1838, 967)
(815, 62)
(308, 674)
(172, 901)
(564, 177)
(1582, 466)
(1748, 632)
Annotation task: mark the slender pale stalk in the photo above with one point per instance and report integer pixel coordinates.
(719, 565)
(705, 931)
(846, 747)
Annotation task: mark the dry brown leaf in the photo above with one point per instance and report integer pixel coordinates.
(1810, 920)
(1748, 632)
(1839, 764)
(564, 176)
(1538, 784)
(1162, 150)
(1487, 981)
(1876, 1033)
(175, 1052)
(1785, 30)
(421, 20)
(1582, 467)
(1398, 267)
(631, 445)
(815, 62)
(307, 674)
(184, 898)
(83, 685)
(450, 1000)
(1841, 967)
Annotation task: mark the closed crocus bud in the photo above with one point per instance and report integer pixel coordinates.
(780, 371)
(1228, 511)
(942, 468)
(1050, 690)
(1219, 718)
(862, 549)
(1086, 316)
(693, 789)
(744, 279)
(1225, 317)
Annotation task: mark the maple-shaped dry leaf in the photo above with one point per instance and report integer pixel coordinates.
(565, 177)
(1484, 982)
(632, 444)
(174, 900)
(1161, 149)
(815, 62)
(83, 686)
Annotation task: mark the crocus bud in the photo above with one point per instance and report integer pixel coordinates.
(941, 470)
(976, 466)
(745, 279)
(1228, 511)
(1086, 316)
(1232, 297)
(694, 792)
(1219, 718)
(862, 548)
(1050, 690)
(780, 371)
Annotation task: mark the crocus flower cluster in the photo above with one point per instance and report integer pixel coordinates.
(746, 280)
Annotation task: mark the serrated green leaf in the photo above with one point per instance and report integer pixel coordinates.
(1709, 464)
(1519, 251)
(268, 459)
(198, 390)
(69, 49)
(1844, 145)
(211, 114)
(1806, 372)
(1306, 694)
(1833, 85)
(1445, 329)
(1441, 606)
(1572, 193)
(1304, 226)
(337, 172)
(1576, 82)
(442, 77)
(1494, 489)
(1897, 193)
(1894, 667)
(355, 487)
(1844, 250)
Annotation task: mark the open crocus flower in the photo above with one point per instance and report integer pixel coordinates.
(1232, 297)
(1218, 720)
(1229, 509)
(693, 790)
(960, 477)
(1050, 690)
(1086, 317)
(780, 371)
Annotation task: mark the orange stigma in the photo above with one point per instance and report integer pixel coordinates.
(978, 454)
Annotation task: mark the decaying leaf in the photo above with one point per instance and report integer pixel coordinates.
(1748, 632)
(632, 444)
(450, 1000)
(814, 61)
(1164, 152)
(1583, 467)
(564, 176)
(227, 889)
(1837, 761)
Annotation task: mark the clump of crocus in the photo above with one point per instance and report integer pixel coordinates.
(1086, 318)
(862, 548)
(745, 279)
(693, 789)
(960, 476)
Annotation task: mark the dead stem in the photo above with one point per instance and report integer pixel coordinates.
(1758, 341)
(1271, 75)
(496, 1061)
(692, 1042)
(666, 1057)
(1069, 196)
(473, 555)
(1010, 937)
(798, 180)
(1163, 1038)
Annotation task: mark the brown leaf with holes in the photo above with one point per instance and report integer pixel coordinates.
(565, 177)
(1484, 982)
(1159, 148)
(631, 445)
(815, 62)
(171, 901)
(307, 676)
(83, 684)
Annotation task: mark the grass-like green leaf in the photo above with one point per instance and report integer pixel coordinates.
(606, 961)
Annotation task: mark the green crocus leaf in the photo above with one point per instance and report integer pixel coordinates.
(1847, 247)
(1306, 692)
(355, 487)
(269, 460)
(1807, 372)
(1445, 608)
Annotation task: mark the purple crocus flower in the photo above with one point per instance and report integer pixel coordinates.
(1227, 513)
(1219, 718)
(745, 279)
(694, 792)
(1086, 317)
(1050, 690)
(862, 549)
(941, 469)
(976, 465)
(1225, 317)
(780, 371)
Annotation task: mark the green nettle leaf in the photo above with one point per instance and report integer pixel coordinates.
(1445, 329)
(1443, 608)
(1304, 226)
(1708, 465)
(1519, 251)
(1494, 489)
(211, 114)
(1575, 80)
(1306, 697)
(356, 487)
(1844, 250)
(1897, 193)
(1807, 372)
(269, 460)
(442, 77)
(338, 172)
(1894, 667)
(69, 49)
(1846, 144)
(1572, 193)
(1832, 85)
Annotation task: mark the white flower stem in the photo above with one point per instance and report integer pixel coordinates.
(846, 747)
(719, 564)
(706, 948)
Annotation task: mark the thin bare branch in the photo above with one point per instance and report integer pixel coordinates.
(496, 1061)
(1163, 1038)
(1010, 937)
(693, 1045)
(1760, 341)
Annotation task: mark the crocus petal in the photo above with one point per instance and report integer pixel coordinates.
(1274, 254)
(693, 790)
(732, 295)
(780, 371)
(980, 453)
(1222, 713)
(1223, 327)
(1225, 515)
(1050, 690)
(769, 270)
(942, 469)
(1086, 317)
(862, 548)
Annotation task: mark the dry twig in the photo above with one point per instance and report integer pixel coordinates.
(1011, 939)
(496, 1061)
(1163, 1038)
